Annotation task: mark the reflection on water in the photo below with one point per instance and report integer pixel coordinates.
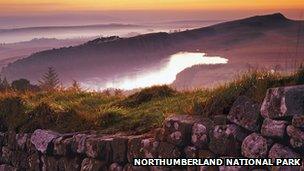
(164, 74)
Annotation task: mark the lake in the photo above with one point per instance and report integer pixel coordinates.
(164, 73)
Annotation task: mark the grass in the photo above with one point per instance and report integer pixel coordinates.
(68, 111)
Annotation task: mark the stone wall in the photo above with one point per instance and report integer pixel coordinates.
(275, 130)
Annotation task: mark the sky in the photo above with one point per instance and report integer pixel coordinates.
(20, 6)
(18, 13)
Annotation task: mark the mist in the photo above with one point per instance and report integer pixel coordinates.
(18, 20)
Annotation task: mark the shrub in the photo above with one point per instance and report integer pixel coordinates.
(300, 75)
(147, 95)
(12, 113)
(21, 85)
(41, 117)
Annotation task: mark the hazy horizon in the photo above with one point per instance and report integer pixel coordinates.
(79, 18)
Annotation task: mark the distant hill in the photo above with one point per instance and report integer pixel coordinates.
(12, 51)
(50, 28)
(105, 59)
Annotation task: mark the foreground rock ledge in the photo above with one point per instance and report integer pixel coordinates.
(283, 102)
(245, 113)
(256, 146)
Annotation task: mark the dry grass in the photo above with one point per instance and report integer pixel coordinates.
(71, 110)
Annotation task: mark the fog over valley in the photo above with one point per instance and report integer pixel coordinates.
(130, 56)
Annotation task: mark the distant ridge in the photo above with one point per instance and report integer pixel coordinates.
(111, 25)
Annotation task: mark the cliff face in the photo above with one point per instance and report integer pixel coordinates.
(273, 130)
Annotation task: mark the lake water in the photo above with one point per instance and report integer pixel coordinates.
(159, 75)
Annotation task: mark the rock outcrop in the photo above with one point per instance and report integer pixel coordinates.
(256, 146)
(283, 102)
(245, 113)
(42, 139)
(274, 128)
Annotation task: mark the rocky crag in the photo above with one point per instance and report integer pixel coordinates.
(274, 129)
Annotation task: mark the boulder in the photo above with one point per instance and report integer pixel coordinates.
(207, 168)
(296, 137)
(231, 168)
(167, 150)
(33, 162)
(226, 139)
(177, 129)
(115, 167)
(134, 147)
(245, 113)
(19, 160)
(130, 167)
(99, 147)
(298, 121)
(141, 147)
(119, 149)
(286, 168)
(22, 140)
(273, 128)
(66, 164)
(159, 134)
(283, 102)
(205, 154)
(220, 120)
(2, 139)
(282, 151)
(89, 164)
(10, 140)
(42, 139)
(49, 163)
(162, 168)
(200, 134)
(5, 167)
(78, 145)
(256, 146)
(63, 145)
(149, 147)
(190, 152)
(30, 147)
(6, 155)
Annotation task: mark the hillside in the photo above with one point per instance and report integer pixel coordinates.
(239, 41)
(258, 115)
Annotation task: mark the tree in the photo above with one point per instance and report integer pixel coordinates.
(75, 86)
(21, 85)
(4, 85)
(50, 80)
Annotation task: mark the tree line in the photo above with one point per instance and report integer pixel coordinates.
(48, 82)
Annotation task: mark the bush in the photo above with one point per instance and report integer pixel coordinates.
(147, 95)
(12, 113)
(300, 75)
(21, 85)
(41, 117)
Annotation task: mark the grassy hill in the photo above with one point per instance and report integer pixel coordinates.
(68, 110)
